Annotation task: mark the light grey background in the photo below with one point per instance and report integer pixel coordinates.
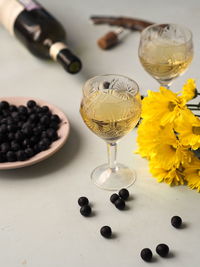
(40, 224)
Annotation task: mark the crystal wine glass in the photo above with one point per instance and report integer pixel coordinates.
(165, 51)
(111, 107)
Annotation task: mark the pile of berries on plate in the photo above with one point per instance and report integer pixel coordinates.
(26, 130)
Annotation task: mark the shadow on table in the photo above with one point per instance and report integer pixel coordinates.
(59, 160)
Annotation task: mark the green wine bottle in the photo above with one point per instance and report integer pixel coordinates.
(39, 31)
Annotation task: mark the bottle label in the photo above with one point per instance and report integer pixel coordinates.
(9, 11)
(29, 4)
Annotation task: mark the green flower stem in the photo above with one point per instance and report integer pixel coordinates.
(193, 105)
(197, 109)
(194, 108)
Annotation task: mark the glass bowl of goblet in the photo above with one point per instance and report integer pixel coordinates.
(165, 51)
(111, 107)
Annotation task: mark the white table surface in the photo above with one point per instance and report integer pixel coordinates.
(40, 223)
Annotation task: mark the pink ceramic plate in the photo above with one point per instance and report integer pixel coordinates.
(63, 133)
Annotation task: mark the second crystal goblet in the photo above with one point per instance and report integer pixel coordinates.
(165, 51)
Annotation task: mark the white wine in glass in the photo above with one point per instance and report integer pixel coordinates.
(111, 107)
(166, 51)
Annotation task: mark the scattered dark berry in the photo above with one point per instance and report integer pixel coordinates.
(41, 127)
(2, 138)
(40, 114)
(82, 201)
(10, 120)
(43, 145)
(15, 116)
(22, 110)
(20, 124)
(44, 109)
(56, 137)
(114, 197)
(46, 140)
(4, 121)
(36, 131)
(5, 147)
(27, 124)
(85, 210)
(120, 204)
(162, 250)
(21, 155)
(146, 254)
(4, 105)
(44, 120)
(10, 156)
(2, 157)
(52, 134)
(36, 149)
(33, 140)
(3, 129)
(15, 146)
(106, 231)
(55, 118)
(5, 112)
(31, 103)
(12, 128)
(27, 130)
(12, 108)
(26, 143)
(37, 109)
(33, 118)
(124, 193)
(44, 134)
(19, 136)
(11, 136)
(23, 118)
(29, 152)
(53, 125)
(176, 221)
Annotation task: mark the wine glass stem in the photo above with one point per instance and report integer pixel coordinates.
(166, 85)
(112, 155)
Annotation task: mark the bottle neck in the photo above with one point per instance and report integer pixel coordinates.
(61, 53)
(55, 49)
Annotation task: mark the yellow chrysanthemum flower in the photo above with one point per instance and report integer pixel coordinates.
(172, 176)
(189, 89)
(168, 151)
(192, 174)
(148, 133)
(168, 133)
(189, 130)
(164, 106)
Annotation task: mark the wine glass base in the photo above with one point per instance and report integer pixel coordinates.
(113, 179)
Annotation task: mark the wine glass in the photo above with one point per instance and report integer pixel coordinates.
(165, 51)
(111, 107)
